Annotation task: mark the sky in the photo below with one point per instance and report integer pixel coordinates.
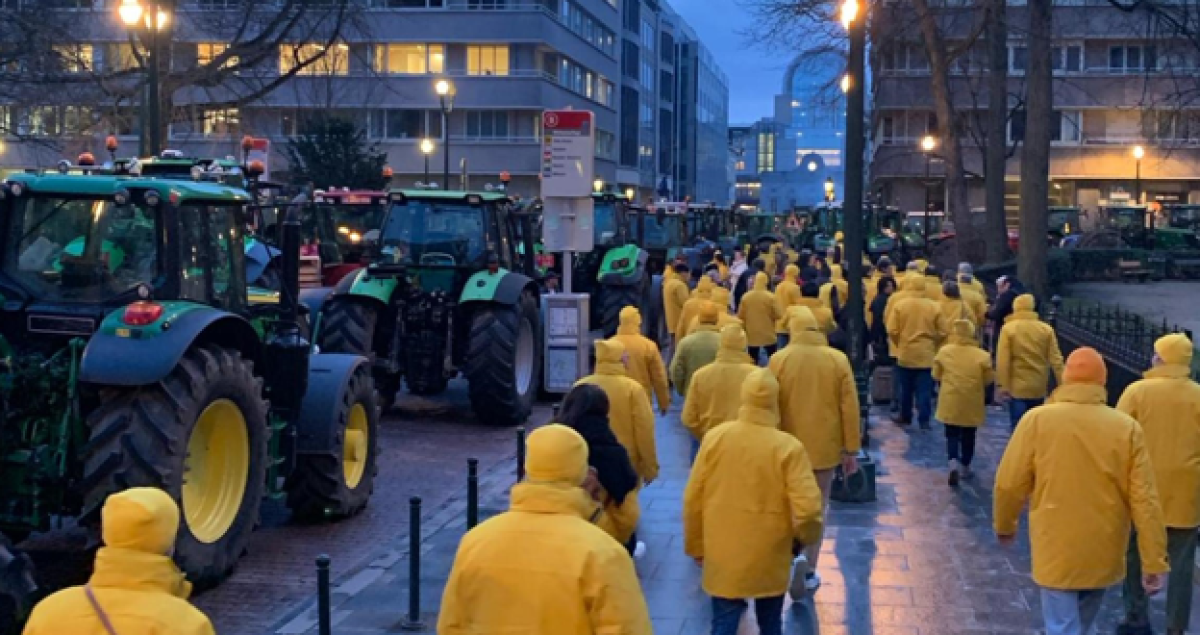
(755, 74)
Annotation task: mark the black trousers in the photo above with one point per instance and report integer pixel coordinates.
(755, 350)
(960, 443)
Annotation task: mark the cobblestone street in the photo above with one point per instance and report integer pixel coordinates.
(921, 560)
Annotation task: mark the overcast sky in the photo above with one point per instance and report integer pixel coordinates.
(754, 74)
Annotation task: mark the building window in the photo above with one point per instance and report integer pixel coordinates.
(208, 52)
(647, 36)
(1132, 59)
(1067, 58)
(629, 61)
(1018, 59)
(220, 122)
(629, 126)
(739, 165)
(487, 60)
(404, 124)
(406, 4)
(75, 58)
(905, 58)
(487, 124)
(410, 59)
(1065, 126)
(50, 121)
(314, 59)
(766, 152)
(120, 57)
(646, 77)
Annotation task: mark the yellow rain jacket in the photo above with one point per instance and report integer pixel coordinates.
(619, 521)
(902, 291)
(759, 313)
(1027, 352)
(675, 295)
(696, 350)
(975, 285)
(713, 394)
(135, 583)
(818, 402)
(976, 301)
(953, 310)
(629, 412)
(933, 288)
(720, 297)
(750, 494)
(823, 315)
(644, 362)
(701, 296)
(1167, 405)
(964, 370)
(1083, 469)
(771, 260)
(542, 567)
(787, 293)
(836, 281)
(914, 326)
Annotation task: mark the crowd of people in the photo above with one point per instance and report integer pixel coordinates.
(771, 405)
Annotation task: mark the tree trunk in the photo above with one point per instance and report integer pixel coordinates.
(1035, 151)
(996, 226)
(968, 245)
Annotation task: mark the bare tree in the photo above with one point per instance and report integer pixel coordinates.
(1035, 151)
(995, 159)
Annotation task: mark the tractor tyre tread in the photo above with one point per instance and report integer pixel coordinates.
(317, 488)
(139, 438)
(348, 327)
(491, 362)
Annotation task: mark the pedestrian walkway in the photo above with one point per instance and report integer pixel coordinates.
(921, 560)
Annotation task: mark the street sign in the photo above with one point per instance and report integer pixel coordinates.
(567, 224)
(568, 153)
(567, 345)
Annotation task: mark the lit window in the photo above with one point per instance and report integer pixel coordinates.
(120, 57)
(487, 60)
(414, 59)
(75, 58)
(208, 52)
(223, 121)
(313, 59)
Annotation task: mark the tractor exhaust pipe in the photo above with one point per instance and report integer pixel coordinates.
(289, 296)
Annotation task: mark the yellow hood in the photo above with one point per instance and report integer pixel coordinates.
(835, 272)
(916, 284)
(710, 312)
(631, 321)
(964, 332)
(1085, 366)
(733, 346)
(761, 281)
(704, 288)
(791, 273)
(609, 351)
(142, 519)
(760, 399)
(720, 296)
(803, 327)
(1175, 348)
(1024, 302)
(556, 454)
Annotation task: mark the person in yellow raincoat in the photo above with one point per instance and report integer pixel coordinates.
(759, 313)
(966, 276)
(913, 329)
(720, 297)
(1025, 356)
(771, 260)
(585, 410)
(135, 585)
(953, 307)
(542, 566)
(810, 298)
(701, 296)
(629, 411)
(722, 268)
(787, 293)
(964, 371)
(1166, 403)
(1085, 473)
(837, 280)
(675, 296)
(818, 404)
(697, 349)
(643, 361)
(711, 398)
(750, 495)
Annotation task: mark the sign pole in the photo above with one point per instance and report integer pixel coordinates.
(567, 272)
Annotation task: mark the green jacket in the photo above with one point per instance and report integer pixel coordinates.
(695, 351)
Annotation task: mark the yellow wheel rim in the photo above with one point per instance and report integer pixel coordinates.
(215, 471)
(355, 446)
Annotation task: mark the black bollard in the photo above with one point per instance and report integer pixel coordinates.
(412, 621)
(472, 493)
(324, 624)
(520, 453)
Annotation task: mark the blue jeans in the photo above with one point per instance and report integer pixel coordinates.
(915, 383)
(1018, 407)
(1070, 612)
(727, 614)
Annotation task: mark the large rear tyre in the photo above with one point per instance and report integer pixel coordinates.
(348, 326)
(18, 590)
(504, 355)
(614, 298)
(200, 435)
(339, 484)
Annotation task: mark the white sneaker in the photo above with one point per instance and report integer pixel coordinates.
(639, 550)
(812, 581)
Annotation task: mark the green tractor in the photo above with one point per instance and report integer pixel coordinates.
(887, 234)
(827, 222)
(131, 356)
(1136, 226)
(763, 229)
(444, 296)
(1061, 221)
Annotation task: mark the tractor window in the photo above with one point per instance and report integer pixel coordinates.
(604, 223)
(82, 249)
(210, 255)
(343, 230)
(435, 234)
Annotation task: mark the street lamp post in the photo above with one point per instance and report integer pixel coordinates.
(153, 18)
(426, 149)
(927, 145)
(1138, 154)
(445, 92)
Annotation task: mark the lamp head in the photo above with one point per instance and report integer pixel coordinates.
(849, 12)
(443, 88)
(426, 146)
(928, 143)
(598, 185)
(1139, 152)
(130, 12)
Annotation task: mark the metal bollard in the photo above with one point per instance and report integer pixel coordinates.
(472, 493)
(520, 453)
(324, 624)
(412, 621)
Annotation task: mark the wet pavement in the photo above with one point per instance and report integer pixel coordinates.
(921, 560)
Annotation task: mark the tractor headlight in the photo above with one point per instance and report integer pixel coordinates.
(121, 197)
(620, 263)
(17, 189)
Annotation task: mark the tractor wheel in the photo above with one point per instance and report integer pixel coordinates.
(339, 484)
(200, 435)
(614, 298)
(349, 327)
(17, 587)
(504, 355)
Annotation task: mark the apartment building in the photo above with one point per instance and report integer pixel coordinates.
(1119, 83)
(508, 60)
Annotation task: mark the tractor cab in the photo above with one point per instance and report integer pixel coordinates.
(827, 219)
(1061, 221)
(171, 164)
(885, 232)
(1183, 216)
(762, 229)
(340, 228)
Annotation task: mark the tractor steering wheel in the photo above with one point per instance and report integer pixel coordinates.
(438, 259)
